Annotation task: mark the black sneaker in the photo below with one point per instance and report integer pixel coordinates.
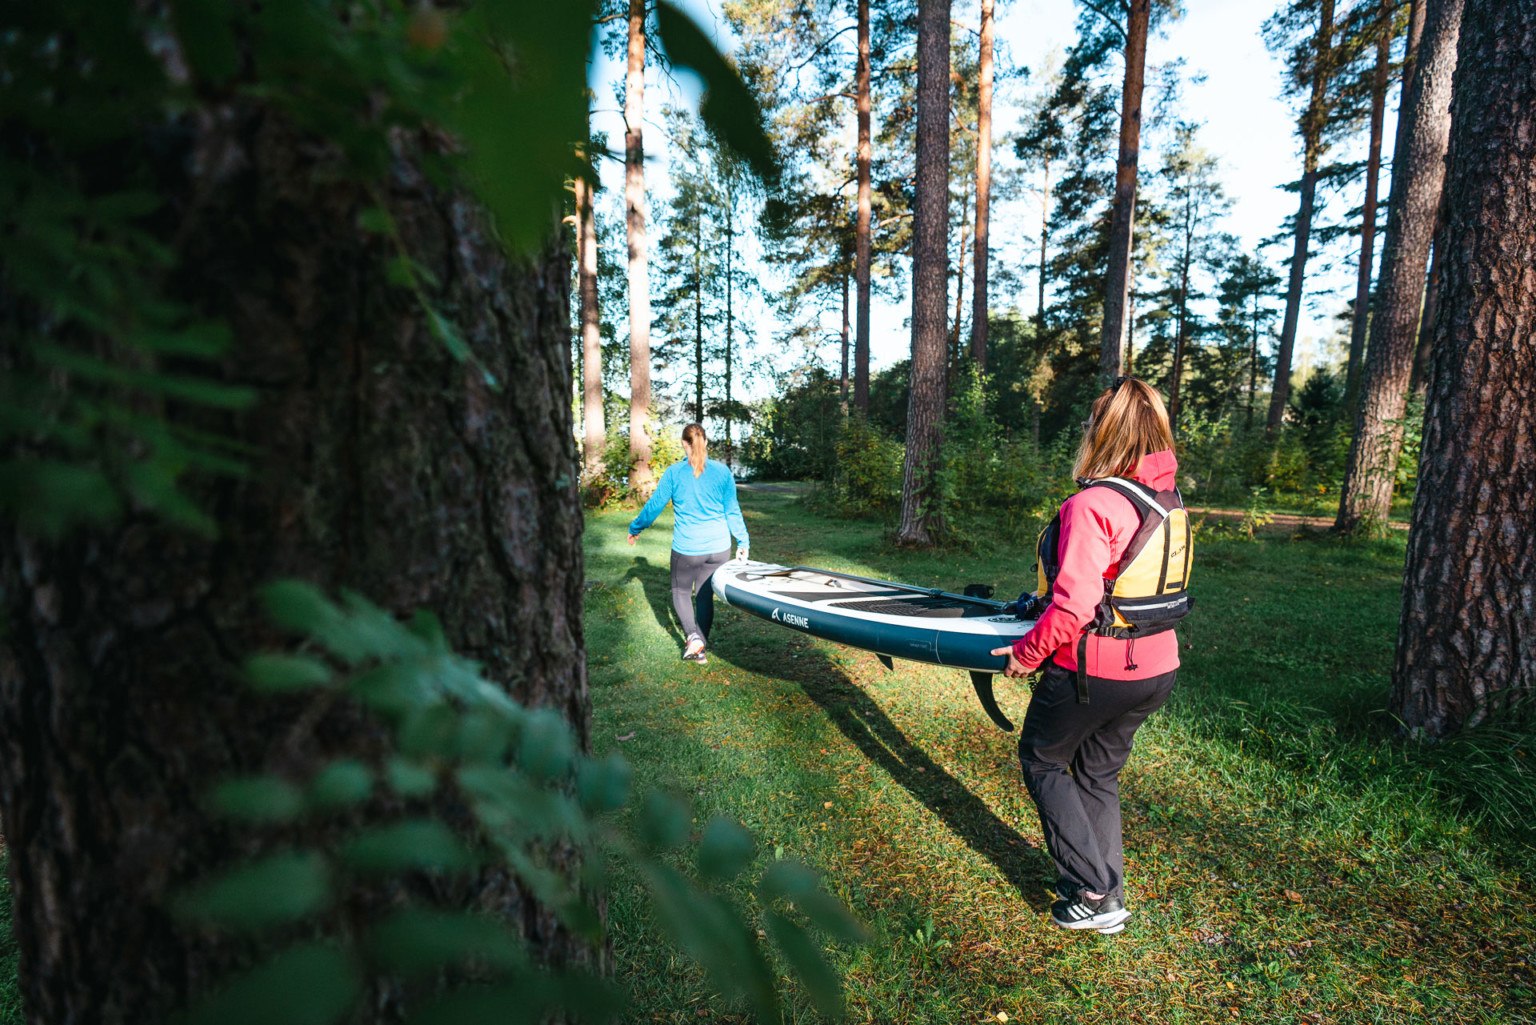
(1107, 914)
(698, 658)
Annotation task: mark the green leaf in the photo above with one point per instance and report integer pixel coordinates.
(408, 779)
(792, 881)
(810, 967)
(429, 731)
(725, 850)
(417, 942)
(257, 799)
(394, 688)
(271, 891)
(297, 606)
(376, 219)
(603, 785)
(662, 822)
(423, 844)
(728, 108)
(532, 999)
(547, 746)
(311, 984)
(277, 673)
(49, 498)
(207, 38)
(341, 784)
(483, 736)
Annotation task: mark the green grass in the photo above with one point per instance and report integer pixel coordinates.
(1288, 860)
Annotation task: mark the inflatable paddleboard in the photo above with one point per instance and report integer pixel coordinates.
(892, 620)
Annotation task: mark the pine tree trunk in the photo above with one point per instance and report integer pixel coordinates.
(865, 214)
(1418, 171)
(641, 480)
(1418, 382)
(930, 278)
(1465, 649)
(983, 188)
(1253, 360)
(954, 331)
(1181, 331)
(1045, 241)
(595, 432)
(1361, 318)
(1123, 217)
(842, 388)
(698, 317)
(1312, 133)
(730, 316)
(380, 463)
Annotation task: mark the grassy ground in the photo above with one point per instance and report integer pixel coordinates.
(1287, 860)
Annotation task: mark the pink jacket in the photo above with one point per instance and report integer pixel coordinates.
(1096, 525)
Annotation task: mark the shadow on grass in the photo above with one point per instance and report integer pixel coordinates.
(656, 582)
(866, 725)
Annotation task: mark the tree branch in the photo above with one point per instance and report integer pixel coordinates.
(1096, 9)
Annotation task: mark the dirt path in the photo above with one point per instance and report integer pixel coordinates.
(1279, 519)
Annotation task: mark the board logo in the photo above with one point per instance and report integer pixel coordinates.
(790, 619)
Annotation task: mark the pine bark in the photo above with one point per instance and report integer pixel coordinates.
(983, 187)
(1361, 319)
(1312, 124)
(380, 464)
(842, 380)
(641, 480)
(930, 278)
(1466, 650)
(1418, 382)
(1418, 172)
(1123, 216)
(862, 227)
(594, 430)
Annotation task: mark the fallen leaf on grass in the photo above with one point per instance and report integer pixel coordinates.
(1293, 896)
(627, 736)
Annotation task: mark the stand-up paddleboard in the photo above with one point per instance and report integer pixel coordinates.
(890, 619)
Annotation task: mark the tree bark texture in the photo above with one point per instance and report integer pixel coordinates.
(641, 480)
(1123, 216)
(380, 463)
(1361, 319)
(1418, 382)
(1312, 123)
(1418, 172)
(930, 278)
(842, 385)
(983, 187)
(594, 430)
(862, 226)
(1465, 647)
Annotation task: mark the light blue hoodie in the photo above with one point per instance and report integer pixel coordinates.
(704, 509)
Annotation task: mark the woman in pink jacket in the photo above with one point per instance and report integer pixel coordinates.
(1083, 715)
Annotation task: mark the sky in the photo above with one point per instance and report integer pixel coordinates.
(1233, 89)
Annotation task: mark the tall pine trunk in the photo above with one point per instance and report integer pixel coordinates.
(1418, 382)
(930, 278)
(862, 246)
(1312, 124)
(730, 313)
(1181, 331)
(1045, 242)
(594, 430)
(842, 386)
(1418, 172)
(1361, 318)
(698, 315)
(641, 479)
(954, 331)
(1465, 649)
(983, 188)
(379, 463)
(1123, 216)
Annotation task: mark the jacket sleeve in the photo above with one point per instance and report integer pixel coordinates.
(1079, 587)
(733, 517)
(658, 502)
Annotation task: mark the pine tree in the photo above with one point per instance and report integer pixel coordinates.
(641, 479)
(1466, 651)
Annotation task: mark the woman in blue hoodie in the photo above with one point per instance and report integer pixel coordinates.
(705, 518)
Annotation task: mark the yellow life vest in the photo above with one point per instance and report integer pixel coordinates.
(1148, 593)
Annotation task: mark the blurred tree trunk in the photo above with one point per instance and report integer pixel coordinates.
(379, 463)
(1361, 318)
(641, 480)
(842, 389)
(1312, 123)
(1465, 649)
(1123, 216)
(930, 278)
(1418, 382)
(1418, 172)
(595, 432)
(983, 188)
(1045, 242)
(865, 213)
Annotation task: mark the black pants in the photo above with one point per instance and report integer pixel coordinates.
(1072, 755)
(693, 595)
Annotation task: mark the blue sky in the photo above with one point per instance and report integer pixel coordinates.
(1235, 93)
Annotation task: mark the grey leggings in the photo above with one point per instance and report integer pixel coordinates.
(693, 596)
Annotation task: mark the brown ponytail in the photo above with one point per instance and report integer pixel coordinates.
(694, 433)
(1128, 421)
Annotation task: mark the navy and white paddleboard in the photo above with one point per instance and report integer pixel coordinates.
(890, 619)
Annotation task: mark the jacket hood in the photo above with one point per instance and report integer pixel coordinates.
(1158, 470)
